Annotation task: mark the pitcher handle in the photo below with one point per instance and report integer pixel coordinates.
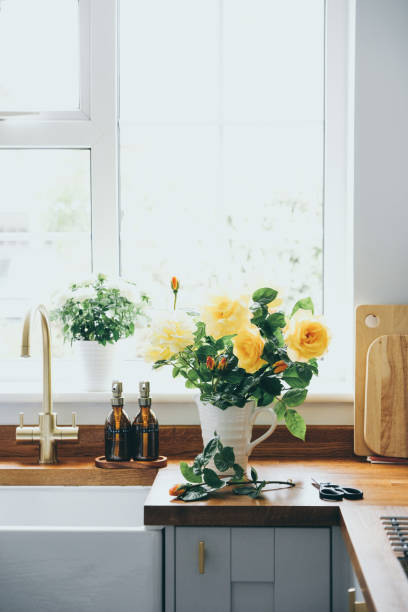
(267, 433)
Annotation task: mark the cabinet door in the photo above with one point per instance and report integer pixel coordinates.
(210, 590)
(302, 569)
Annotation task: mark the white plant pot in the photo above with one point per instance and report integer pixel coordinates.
(99, 364)
(234, 427)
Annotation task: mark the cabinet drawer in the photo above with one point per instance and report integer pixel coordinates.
(252, 554)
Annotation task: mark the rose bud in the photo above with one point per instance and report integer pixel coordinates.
(222, 363)
(176, 490)
(175, 283)
(210, 363)
(279, 366)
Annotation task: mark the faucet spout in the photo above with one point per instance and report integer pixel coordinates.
(47, 432)
(46, 343)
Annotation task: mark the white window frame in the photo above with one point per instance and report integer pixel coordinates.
(95, 127)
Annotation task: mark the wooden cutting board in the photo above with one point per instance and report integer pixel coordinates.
(388, 320)
(386, 397)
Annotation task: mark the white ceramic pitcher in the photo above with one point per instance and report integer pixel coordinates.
(234, 427)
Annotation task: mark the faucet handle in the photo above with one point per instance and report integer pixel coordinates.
(21, 419)
(74, 419)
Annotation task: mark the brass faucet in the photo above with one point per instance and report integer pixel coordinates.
(47, 432)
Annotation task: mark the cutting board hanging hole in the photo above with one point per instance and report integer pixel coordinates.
(372, 320)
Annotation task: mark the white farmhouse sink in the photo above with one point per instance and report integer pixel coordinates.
(78, 548)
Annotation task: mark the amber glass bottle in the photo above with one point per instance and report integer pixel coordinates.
(145, 429)
(118, 428)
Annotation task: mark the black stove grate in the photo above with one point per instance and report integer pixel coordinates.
(396, 528)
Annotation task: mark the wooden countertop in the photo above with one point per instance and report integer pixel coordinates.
(381, 484)
(70, 472)
(382, 579)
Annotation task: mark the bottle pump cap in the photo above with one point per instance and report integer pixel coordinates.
(117, 389)
(144, 392)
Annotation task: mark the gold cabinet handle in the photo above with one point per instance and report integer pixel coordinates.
(201, 556)
(355, 606)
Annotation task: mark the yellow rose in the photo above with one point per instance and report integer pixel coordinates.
(278, 301)
(306, 336)
(224, 316)
(169, 336)
(248, 348)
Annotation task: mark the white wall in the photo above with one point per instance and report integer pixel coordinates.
(381, 152)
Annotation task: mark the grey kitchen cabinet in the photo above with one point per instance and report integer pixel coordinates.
(263, 569)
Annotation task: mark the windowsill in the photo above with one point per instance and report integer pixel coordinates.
(186, 397)
(24, 385)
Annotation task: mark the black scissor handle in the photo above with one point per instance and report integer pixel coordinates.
(331, 493)
(337, 493)
(351, 493)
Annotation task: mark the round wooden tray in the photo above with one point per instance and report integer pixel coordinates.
(101, 462)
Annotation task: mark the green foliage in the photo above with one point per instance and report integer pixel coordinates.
(101, 311)
(203, 480)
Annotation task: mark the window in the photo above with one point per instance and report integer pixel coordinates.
(224, 163)
(221, 132)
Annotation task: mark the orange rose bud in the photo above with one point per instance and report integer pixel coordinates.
(175, 283)
(279, 366)
(177, 490)
(210, 363)
(222, 363)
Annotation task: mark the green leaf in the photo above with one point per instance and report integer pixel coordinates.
(275, 321)
(176, 372)
(271, 384)
(270, 352)
(294, 397)
(190, 385)
(280, 410)
(295, 424)
(210, 449)
(279, 337)
(200, 331)
(298, 375)
(264, 295)
(304, 304)
(224, 341)
(258, 490)
(238, 471)
(204, 351)
(220, 463)
(212, 480)
(254, 474)
(314, 366)
(189, 473)
(194, 494)
(224, 459)
(234, 377)
(245, 490)
(198, 464)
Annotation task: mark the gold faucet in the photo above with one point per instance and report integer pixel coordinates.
(47, 432)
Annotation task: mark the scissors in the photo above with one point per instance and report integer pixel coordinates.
(332, 492)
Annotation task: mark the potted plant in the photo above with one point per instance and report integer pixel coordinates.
(244, 358)
(95, 314)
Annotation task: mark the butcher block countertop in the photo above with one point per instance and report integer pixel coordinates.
(382, 579)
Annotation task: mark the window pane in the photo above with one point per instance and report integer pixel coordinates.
(45, 231)
(39, 45)
(169, 60)
(230, 197)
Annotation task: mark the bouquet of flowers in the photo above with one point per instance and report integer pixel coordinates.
(239, 350)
